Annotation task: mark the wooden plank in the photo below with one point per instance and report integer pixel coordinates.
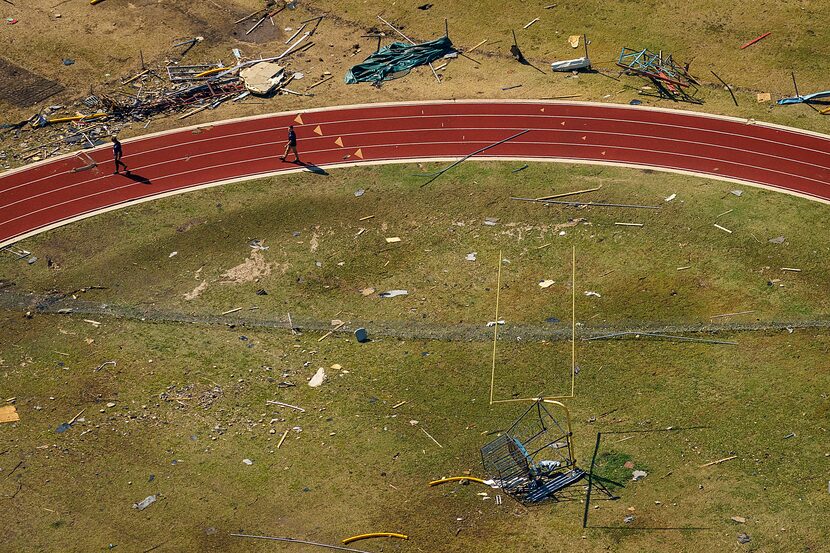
(8, 413)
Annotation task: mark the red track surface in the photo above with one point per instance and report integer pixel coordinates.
(48, 194)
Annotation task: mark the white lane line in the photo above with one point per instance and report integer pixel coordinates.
(252, 132)
(252, 160)
(462, 130)
(223, 182)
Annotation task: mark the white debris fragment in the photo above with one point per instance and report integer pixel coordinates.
(173, 254)
(590, 293)
(318, 378)
(471, 256)
(393, 293)
(493, 323)
(144, 503)
(670, 198)
(247, 462)
(638, 475)
(546, 283)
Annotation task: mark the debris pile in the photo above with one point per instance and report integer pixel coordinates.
(670, 80)
(163, 89)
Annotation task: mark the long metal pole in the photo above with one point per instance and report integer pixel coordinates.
(573, 320)
(292, 540)
(468, 156)
(495, 332)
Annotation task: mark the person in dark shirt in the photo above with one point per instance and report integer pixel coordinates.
(291, 145)
(116, 154)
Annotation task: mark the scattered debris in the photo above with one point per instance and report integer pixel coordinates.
(294, 540)
(392, 240)
(739, 520)
(471, 256)
(638, 334)
(670, 198)
(393, 293)
(763, 97)
(590, 293)
(398, 59)
(281, 404)
(638, 475)
(531, 22)
(494, 323)
(791, 269)
(518, 56)
(144, 503)
(738, 193)
(262, 78)
(724, 229)
(338, 325)
(431, 438)
(777, 240)
(473, 49)
(282, 439)
(576, 64)
(671, 80)
(248, 462)
(628, 519)
(67, 425)
(465, 158)
(743, 538)
(790, 435)
(8, 413)
(361, 335)
(104, 364)
(374, 535)
(318, 378)
(719, 461)
(729, 88)
(629, 224)
(546, 283)
(732, 314)
(359, 192)
(754, 40)
(234, 310)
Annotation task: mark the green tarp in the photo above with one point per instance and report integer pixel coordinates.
(397, 59)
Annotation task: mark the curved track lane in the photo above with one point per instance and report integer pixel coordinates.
(55, 192)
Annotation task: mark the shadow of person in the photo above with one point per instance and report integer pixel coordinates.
(313, 168)
(137, 178)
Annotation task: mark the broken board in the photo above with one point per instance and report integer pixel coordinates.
(8, 413)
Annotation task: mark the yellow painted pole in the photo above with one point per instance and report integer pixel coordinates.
(456, 479)
(375, 535)
(570, 432)
(495, 331)
(76, 118)
(210, 72)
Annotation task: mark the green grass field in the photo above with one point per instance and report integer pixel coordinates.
(188, 401)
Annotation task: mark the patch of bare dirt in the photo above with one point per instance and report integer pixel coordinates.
(249, 270)
(196, 292)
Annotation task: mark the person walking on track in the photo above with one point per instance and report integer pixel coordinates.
(291, 145)
(116, 154)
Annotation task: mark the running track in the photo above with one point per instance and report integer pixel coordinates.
(48, 194)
